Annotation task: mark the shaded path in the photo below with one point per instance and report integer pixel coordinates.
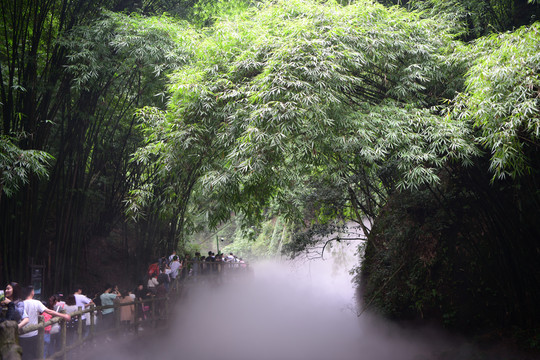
(290, 313)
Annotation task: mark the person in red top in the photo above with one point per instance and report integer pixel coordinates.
(52, 332)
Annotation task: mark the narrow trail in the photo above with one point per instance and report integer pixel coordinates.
(289, 311)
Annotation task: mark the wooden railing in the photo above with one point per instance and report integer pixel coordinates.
(196, 269)
(157, 313)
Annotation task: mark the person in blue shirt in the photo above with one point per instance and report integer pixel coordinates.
(107, 298)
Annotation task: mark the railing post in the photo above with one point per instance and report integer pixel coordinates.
(9, 344)
(63, 338)
(41, 338)
(79, 326)
(117, 317)
(137, 305)
(92, 321)
(153, 311)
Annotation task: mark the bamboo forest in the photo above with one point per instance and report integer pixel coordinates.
(404, 133)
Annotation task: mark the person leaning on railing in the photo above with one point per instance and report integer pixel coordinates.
(152, 284)
(107, 298)
(72, 325)
(34, 308)
(83, 301)
(141, 293)
(127, 312)
(15, 306)
(52, 332)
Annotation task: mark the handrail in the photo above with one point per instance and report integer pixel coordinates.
(65, 347)
(217, 262)
(221, 265)
(175, 286)
(90, 309)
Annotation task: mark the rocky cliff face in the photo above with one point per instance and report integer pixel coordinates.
(464, 254)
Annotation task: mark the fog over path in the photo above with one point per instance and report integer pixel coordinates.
(287, 310)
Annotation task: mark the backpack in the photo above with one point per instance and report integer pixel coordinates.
(47, 317)
(163, 278)
(153, 270)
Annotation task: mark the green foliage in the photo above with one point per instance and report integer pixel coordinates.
(119, 46)
(300, 89)
(80, 75)
(125, 61)
(17, 165)
(311, 110)
(502, 98)
(265, 242)
(205, 12)
(476, 18)
(200, 13)
(315, 234)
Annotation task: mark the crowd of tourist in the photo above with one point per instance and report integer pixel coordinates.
(19, 304)
(166, 270)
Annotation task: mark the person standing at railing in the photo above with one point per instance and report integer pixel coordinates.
(175, 266)
(168, 273)
(185, 266)
(162, 261)
(171, 257)
(152, 284)
(15, 304)
(202, 265)
(71, 326)
(196, 265)
(55, 303)
(219, 263)
(140, 294)
(84, 302)
(210, 260)
(163, 280)
(34, 308)
(107, 298)
(127, 312)
(52, 332)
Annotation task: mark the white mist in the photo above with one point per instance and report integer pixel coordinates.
(303, 309)
(289, 310)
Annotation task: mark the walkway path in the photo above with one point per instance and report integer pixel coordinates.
(286, 312)
(280, 314)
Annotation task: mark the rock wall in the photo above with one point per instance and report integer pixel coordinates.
(465, 254)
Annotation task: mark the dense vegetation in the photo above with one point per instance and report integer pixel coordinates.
(130, 130)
